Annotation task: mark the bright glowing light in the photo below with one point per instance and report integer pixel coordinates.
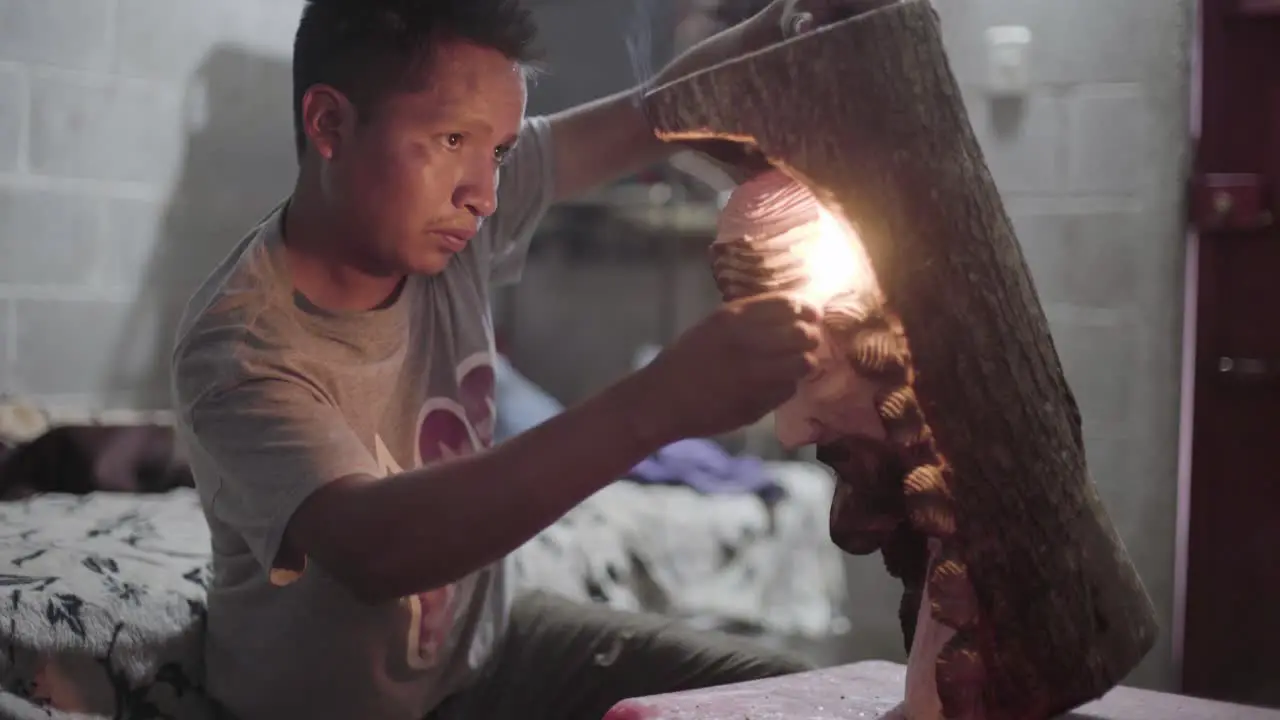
(834, 260)
(775, 221)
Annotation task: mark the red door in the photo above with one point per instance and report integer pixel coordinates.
(1231, 645)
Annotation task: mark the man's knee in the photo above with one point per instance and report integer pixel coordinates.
(715, 658)
(781, 663)
(641, 644)
(757, 663)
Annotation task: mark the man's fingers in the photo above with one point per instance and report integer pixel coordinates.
(779, 325)
(787, 370)
(804, 15)
(785, 342)
(780, 307)
(809, 362)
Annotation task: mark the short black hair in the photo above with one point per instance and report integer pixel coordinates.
(367, 49)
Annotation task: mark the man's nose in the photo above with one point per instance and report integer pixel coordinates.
(478, 192)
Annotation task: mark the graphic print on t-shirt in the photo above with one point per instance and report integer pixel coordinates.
(449, 428)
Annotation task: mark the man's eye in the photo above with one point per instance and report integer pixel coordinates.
(501, 153)
(453, 141)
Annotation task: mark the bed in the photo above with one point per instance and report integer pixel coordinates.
(103, 594)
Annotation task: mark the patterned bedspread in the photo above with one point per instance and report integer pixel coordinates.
(102, 606)
(102, 597)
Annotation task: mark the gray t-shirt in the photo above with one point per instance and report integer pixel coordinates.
(275, 398)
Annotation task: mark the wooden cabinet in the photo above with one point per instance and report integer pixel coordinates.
(1232, 629)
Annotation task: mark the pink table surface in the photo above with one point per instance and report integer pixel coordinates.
(873, 690)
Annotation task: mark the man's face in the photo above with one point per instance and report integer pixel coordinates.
(412, 182)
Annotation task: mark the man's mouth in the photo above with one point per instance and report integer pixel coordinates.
(456, 240)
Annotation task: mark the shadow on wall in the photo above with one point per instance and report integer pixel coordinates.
(238, 163)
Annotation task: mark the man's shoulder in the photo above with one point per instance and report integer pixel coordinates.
(234, 316)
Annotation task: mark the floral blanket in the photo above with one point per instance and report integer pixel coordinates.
(102, 606)
(102, 596)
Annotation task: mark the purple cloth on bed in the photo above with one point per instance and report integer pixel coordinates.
(704, 466)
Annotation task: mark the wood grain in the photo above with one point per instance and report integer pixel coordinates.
(868, 114)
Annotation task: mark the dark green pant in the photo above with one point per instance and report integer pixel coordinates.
(565, 661)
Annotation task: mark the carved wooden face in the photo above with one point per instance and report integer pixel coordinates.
(774, 235)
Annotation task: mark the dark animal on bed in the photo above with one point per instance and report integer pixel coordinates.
(80, 459)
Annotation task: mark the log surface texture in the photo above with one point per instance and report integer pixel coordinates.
(868, 114)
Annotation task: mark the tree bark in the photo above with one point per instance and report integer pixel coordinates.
(867, 113)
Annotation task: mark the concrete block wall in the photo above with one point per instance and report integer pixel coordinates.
(139, 138)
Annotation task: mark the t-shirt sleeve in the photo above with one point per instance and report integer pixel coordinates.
(526, 187)
(271, 442)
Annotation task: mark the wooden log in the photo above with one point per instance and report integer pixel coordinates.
(867, 113)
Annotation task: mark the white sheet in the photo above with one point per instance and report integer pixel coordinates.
(102, 606)
(102, 597)
(715, 561)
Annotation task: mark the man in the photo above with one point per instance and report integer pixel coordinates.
(334, 379)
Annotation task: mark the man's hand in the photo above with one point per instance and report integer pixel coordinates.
(796, 17)
(610, 138)
(732, 368)
(778, 21)
(783, 19)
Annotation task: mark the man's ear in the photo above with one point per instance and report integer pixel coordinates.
(327, 115)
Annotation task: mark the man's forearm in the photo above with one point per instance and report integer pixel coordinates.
(423, 529)
(600, 142)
